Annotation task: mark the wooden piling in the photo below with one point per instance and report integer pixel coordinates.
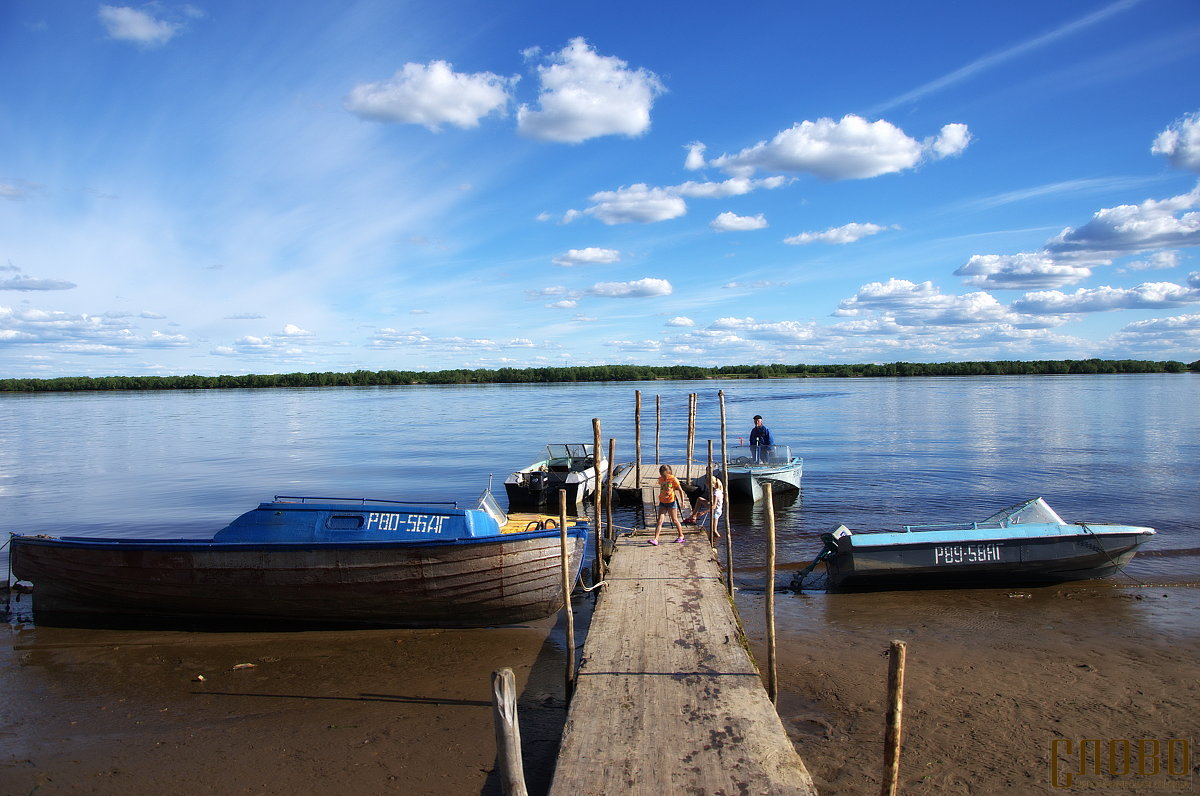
(728, 499)
(657, 428)
(691, 433)
(637, 439)
(610, 486)
(598, 560)
(566, 587)
(508, 733)
(891, 739)
(772, 674)
(712, 506)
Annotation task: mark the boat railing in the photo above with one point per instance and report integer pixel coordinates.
(362, 501)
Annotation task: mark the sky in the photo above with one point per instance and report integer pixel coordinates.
(222, 187)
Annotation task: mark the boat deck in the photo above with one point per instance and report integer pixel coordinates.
(668, 699)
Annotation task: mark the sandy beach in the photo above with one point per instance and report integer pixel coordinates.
(993, 678)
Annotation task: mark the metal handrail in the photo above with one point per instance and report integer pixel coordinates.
(364, 501)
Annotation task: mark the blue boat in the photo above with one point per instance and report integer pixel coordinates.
(751, 466)
(315, 560)
(1025, 543)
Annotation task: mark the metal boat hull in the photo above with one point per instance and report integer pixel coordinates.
(746, 480)
(860, 565)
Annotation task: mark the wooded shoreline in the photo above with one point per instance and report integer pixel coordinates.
(593, 373)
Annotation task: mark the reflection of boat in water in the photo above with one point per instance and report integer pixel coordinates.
(569, 468)
(751, 466)
(362, 561)
(1025, 543)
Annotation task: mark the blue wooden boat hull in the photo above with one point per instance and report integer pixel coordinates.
(336, 563)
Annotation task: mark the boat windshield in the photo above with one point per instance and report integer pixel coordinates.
(760, 454)
(487, 502)
(1031, 511)
(576, 451)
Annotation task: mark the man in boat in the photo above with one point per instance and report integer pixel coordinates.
(760, 442)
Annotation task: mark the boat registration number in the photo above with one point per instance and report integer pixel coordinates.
(413, 523)
(966, 553)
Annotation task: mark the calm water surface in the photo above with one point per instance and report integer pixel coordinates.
(878, 453)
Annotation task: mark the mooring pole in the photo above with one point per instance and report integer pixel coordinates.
(691, 442)
(657, 427)
(508, 733)
(772, 675)
(637, 443)
(566, 589)
(712, 496)
(728, 500)
(612, 457)
(598, 560)
(891, 738)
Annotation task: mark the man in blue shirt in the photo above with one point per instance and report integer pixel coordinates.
(760, 441)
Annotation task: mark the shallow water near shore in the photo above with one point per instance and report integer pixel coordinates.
(879, 453)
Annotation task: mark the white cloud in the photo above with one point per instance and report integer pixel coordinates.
(1149, 295)
(589, 256)
(679, 320)
(1157, 261)
(731, 222)
(907, 303)
(565, 304)
(79, 333)
(292, 330)
(19, 281)
(1154, 224)
(1181, 143)
(641, 288)
(431, 94)
(852, 148)
(643, 204)
(129, 24)
(695, 157)
(636, 204)
(775, 331)
(1024, 271)
(585, 95)
(847, 233)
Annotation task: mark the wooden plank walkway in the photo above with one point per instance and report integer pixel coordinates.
(626, 485)
(667, 699)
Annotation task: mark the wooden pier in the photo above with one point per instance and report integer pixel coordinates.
(667, 699)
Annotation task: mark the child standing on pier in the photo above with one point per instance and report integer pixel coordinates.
(669, 490)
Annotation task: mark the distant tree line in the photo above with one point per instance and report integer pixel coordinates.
(368, 378)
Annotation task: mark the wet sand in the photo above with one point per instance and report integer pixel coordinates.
(334, 712)
(993, 677)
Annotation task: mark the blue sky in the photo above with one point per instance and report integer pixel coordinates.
(231, 187)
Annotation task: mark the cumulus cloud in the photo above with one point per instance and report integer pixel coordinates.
(847, 233)
(731, 222)
(1024, 271)
(139, 27)
(292, 330)
(589, 256)
(643, 204)
(565, 304)
(695, 157)
(79, 333)
(1148, 295)
(1180, 143)
(431, 95)
(850, 148)
(585, 95)
(906, 303)
(680, 320)
(641, 288)
(1154, 224)
(391, 338)
(781, 331)
(19, 281)
(1157, 261)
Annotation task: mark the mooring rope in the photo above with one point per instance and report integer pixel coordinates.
(1103, 549)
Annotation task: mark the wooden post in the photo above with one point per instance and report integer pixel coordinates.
(691, 439)
(612, 457)
(508, 733)
(772, 675)
(657, 427)
(566, 588)
(598, 560)
(637, 443)
(728, 500)
(711, 482)
(891, 738)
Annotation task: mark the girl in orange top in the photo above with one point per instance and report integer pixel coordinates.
(668, 502)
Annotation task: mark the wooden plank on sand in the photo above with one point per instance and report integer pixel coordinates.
(667, 698)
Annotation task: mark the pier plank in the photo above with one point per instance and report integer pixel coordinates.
(667, 699)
